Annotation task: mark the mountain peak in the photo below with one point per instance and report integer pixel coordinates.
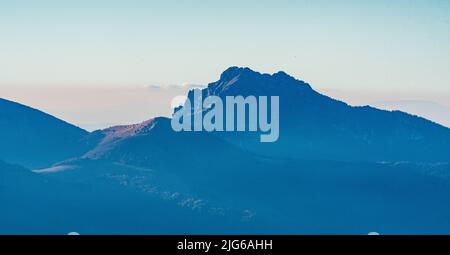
(234, 71)
(282, 75)
(244, 79)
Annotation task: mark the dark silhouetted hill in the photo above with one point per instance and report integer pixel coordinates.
(35, 139)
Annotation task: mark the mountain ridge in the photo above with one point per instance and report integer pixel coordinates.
(326, 128)
(34, 139)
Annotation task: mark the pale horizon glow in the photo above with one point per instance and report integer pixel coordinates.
(99, 107)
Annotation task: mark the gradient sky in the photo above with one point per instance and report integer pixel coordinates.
(378, 47)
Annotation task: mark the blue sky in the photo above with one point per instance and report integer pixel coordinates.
(392, 47)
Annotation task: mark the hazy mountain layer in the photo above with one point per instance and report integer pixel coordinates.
(35, 139)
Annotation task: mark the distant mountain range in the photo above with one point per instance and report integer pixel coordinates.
(335, 169)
